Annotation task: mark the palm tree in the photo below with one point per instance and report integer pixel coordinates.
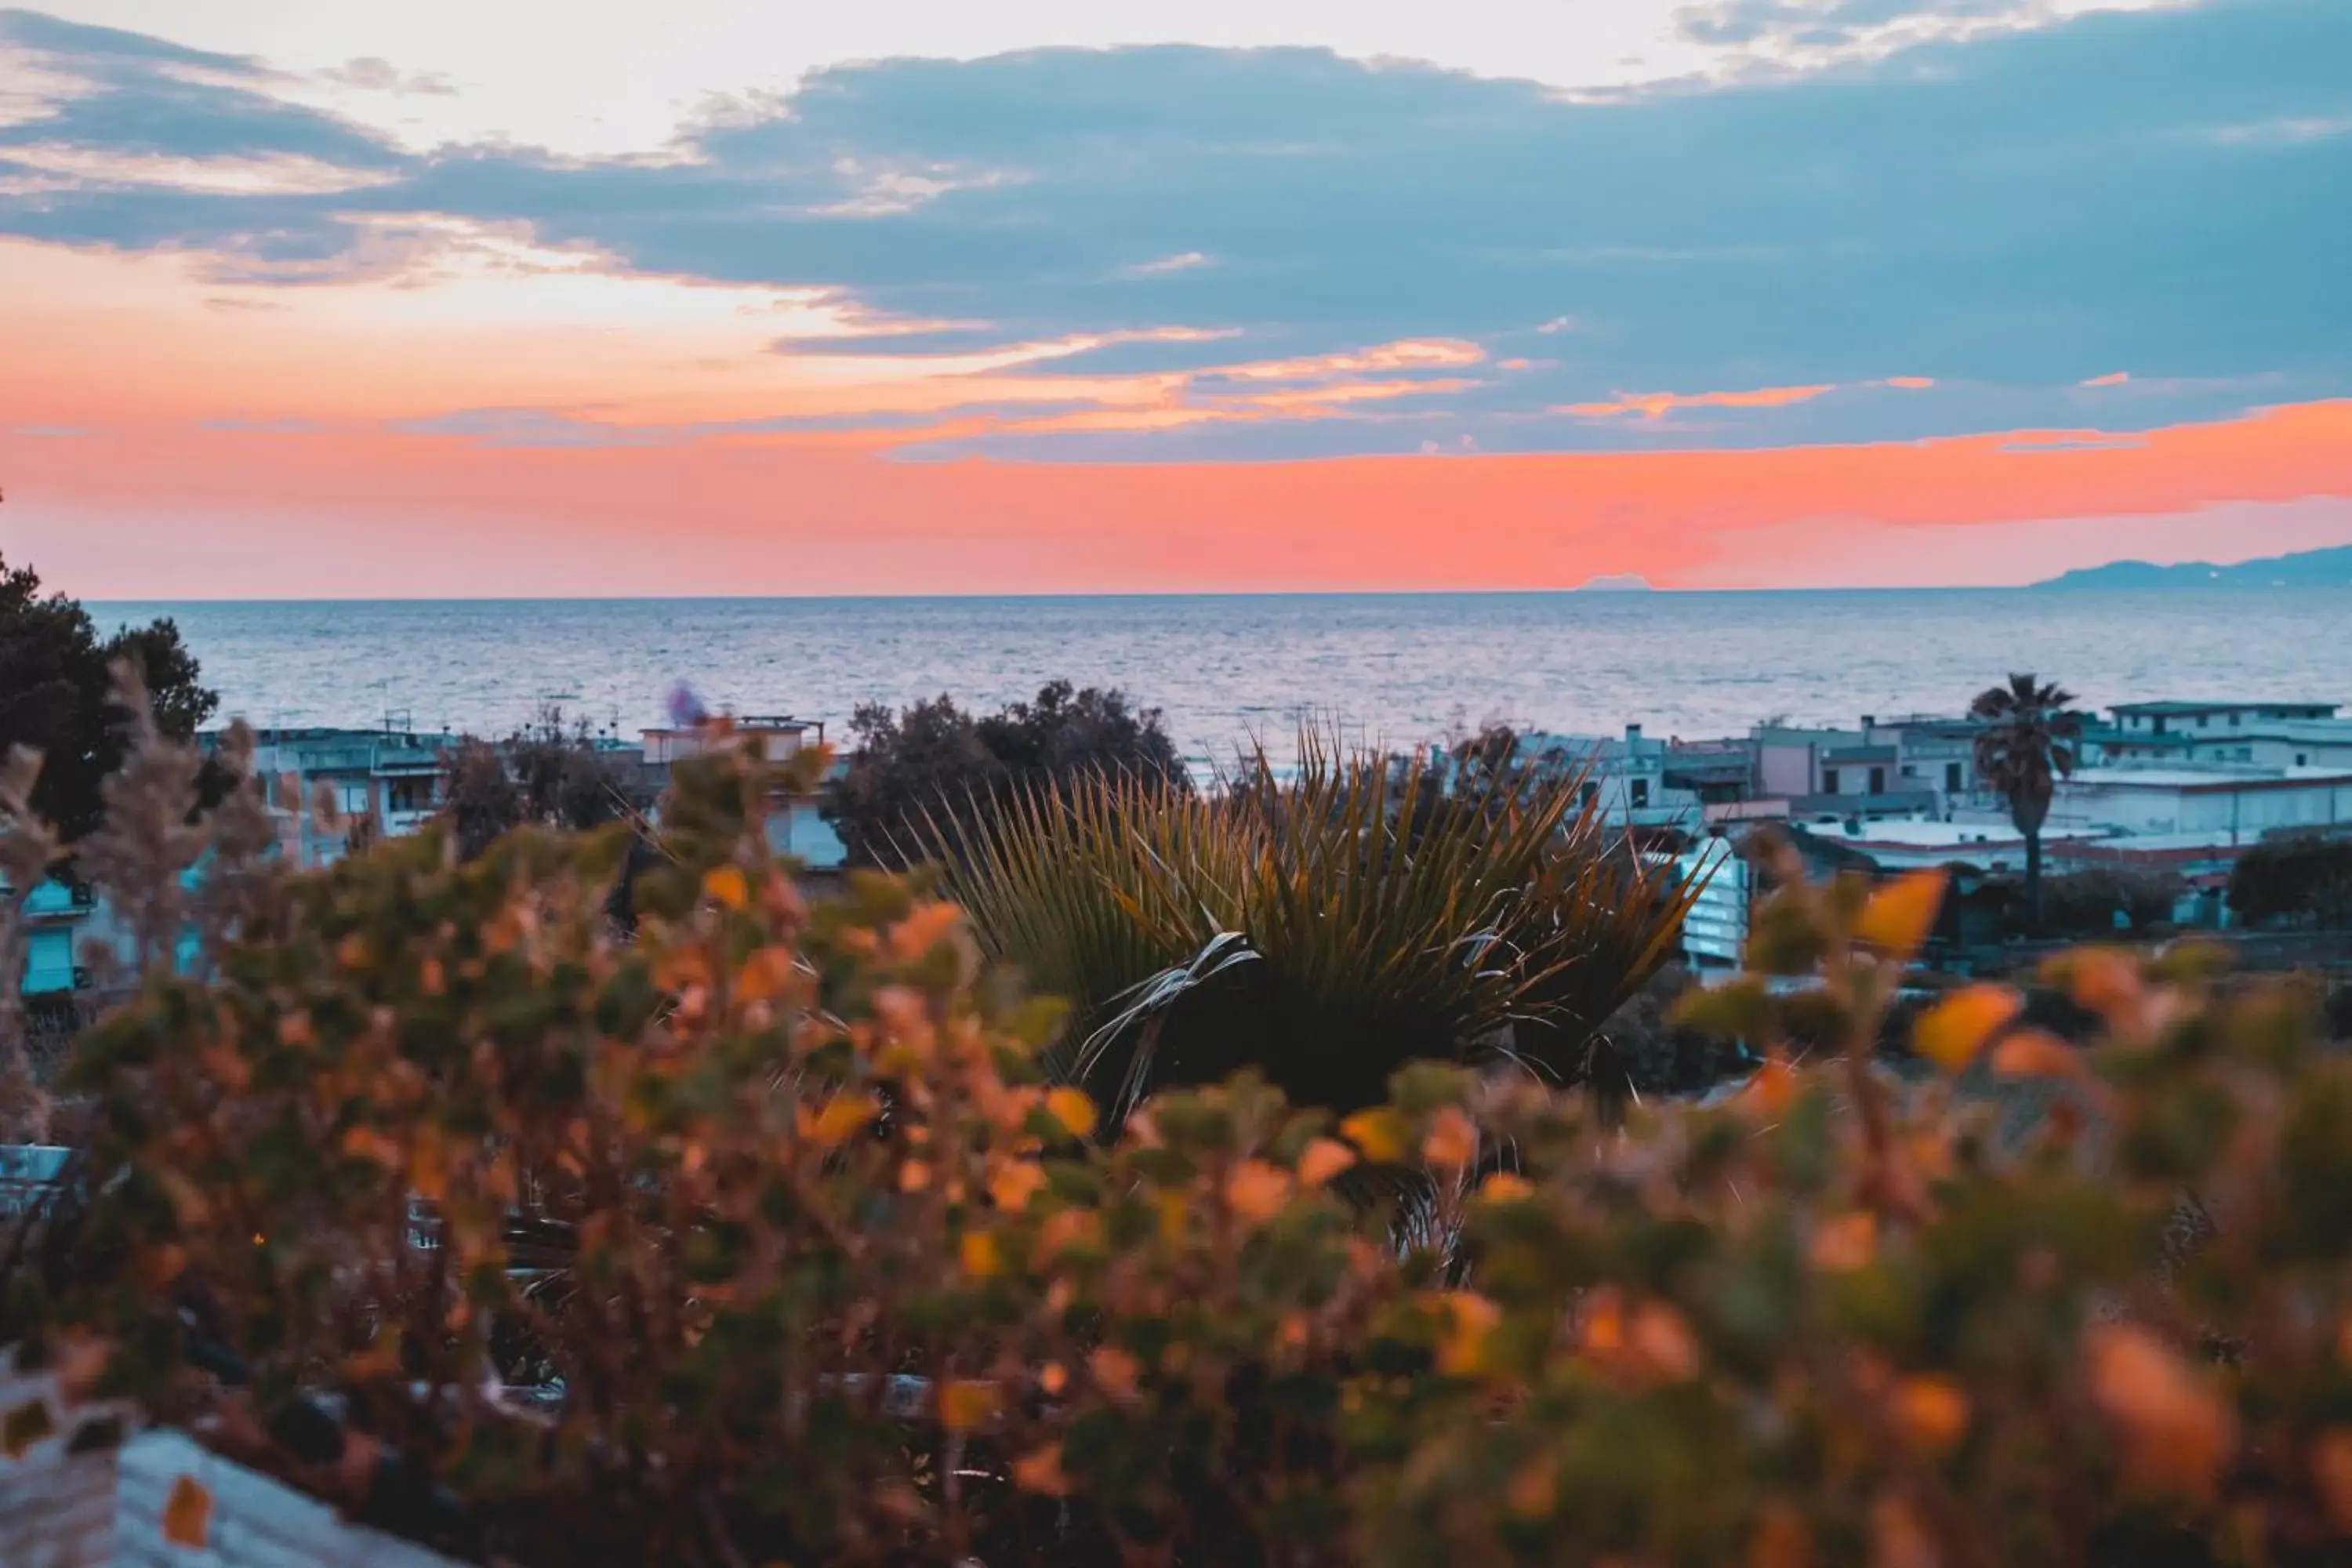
(2029, 742)
(1324, 928)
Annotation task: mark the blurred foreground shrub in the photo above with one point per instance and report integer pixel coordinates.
(822, 1269)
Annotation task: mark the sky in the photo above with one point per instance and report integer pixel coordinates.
(302, 298)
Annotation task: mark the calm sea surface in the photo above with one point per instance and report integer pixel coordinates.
(1399, 667)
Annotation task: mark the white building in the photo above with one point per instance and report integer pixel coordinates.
(2242, 801)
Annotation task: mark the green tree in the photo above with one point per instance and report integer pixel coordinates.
(56, 694)
(934, 760)
(2029, 742)
(547, 771)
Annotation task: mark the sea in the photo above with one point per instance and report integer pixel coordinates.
(1232, 669)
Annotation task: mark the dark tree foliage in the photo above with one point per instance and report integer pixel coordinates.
(547, 773)
(2030, 741)
(2299, 880)
(933, 760)
(56, 694)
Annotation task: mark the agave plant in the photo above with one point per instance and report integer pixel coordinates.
(1324, 927)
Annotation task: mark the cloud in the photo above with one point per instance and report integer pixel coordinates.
(1658, 404)
(2113, 378)
(1183, 261)
(370, 74)
(1989, 216)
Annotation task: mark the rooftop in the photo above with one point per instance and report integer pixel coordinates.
(2172, 706)
(2240, 776)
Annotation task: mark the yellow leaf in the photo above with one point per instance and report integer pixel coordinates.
(1378, 1133)
(766, 973)
(1175, 1216)
(1013, 1183)
(1462, 1337)
(1324, 1159)
(1932, 1412)
(1503, 1187)
(1955, 1029)
(1040, 1472)
(1073, 1110)
(966, 1403)
(2035, 1053)
(839, 1120)
(1452, 1140)
(1846, 1243)
(727, 885)
(1257, 1191)
(187, 1514)
(1901, 914)
(981, 1257)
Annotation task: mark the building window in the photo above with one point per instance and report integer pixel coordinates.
(1829, 781)
(2301, 759)
(1878, 781)
(2245, 754)
(2233, 720)
(2159, 723)
(351, 799)
(2201, 720)
(1589, 793)
(1641, 793)
(1952, 777)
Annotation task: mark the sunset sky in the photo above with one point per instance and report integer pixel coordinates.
(307, 298)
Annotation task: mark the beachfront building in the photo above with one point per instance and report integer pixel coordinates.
(2286, 734)
(380, 782)
(795, 826)
(2241, 802)
(1835, 774)
(1625, 776)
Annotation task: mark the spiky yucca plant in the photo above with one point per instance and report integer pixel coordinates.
(1324, 928)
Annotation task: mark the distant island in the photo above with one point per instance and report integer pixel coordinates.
(2306, 568)
(1618, 583)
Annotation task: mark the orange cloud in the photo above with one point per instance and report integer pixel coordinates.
(1658, 404)
(2115, 378)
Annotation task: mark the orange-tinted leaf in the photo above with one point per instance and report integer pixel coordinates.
(1115, 1371)
(1040, 1472)
(2331, 1468)
(1072, 1108)
(1898, 1538)
(966, 1403)
(1322, 1160)
(2175, 1431)
(1901, 912)
(840, 1119)
(1012, 1183)
(1533, 1491)
(1779, 1538)
(982, 1259)
(2035, 1053)
(1846, 1242)
(1505, 1187)
(921, 930)
(1257, 1190)
(1379, 1135)
(727, 885)
(1932, 1412)
(1452, 1140)
(187, 1514)
(1955, 1029)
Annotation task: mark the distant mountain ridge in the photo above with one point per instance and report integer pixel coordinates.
(2304, 568)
